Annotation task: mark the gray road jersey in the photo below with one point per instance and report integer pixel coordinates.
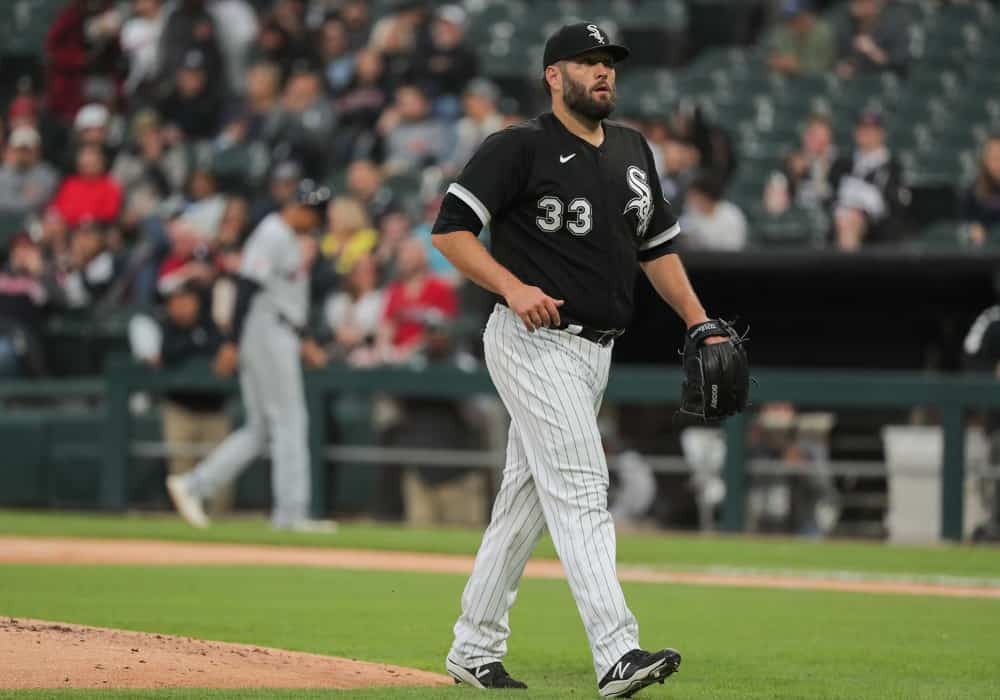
(272, 257)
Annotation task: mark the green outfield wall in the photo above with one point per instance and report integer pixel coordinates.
(86, 449)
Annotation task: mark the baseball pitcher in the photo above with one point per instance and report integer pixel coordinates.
(575, 210)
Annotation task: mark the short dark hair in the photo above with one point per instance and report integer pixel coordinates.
(708, 184)
(414, 86)
(819, 118)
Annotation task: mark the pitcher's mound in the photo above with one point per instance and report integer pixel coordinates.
(39, 654)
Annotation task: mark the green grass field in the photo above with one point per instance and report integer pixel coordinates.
(737, 643)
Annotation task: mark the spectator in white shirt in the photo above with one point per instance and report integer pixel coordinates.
(482, 118)
(139, 39)
(354, 313)
(709, 221)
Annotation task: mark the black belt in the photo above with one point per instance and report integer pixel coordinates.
(284, 320)
(594, 335)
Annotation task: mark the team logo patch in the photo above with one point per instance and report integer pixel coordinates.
(642, 203)
(595, 32)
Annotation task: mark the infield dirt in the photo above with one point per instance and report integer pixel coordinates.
(39, 654)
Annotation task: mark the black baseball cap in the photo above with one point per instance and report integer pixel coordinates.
(311, 194)
(574, 39)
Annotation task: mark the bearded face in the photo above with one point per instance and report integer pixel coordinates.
(594, 99)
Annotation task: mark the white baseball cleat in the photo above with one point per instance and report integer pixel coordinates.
(188, 505)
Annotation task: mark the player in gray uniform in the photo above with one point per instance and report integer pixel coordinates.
(271, 309)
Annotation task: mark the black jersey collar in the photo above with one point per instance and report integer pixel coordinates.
(588, 144)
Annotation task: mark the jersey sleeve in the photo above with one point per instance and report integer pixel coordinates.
(258, 258)
(663, 227)
(490, 181)
(267, 256)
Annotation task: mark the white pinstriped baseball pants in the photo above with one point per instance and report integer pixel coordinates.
(552, 384)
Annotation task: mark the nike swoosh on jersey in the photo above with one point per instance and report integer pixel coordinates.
(566, 159)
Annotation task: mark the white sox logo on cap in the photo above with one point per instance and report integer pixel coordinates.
(574, 39)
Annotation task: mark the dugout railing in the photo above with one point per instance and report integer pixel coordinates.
(953, 396)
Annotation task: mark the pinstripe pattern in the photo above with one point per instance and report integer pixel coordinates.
(552, 384)
(274, 399)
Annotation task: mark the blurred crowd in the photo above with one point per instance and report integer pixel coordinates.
(168, 129)
(164, 130)
(857, 185)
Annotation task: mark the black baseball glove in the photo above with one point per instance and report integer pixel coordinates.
(716, 376)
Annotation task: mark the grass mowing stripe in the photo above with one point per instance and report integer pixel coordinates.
(63, 550)
(667, 550)
(841, 575)
(737, 643)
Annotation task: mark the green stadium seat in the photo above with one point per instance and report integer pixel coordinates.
(10, 224)
(407, 186)
(243, 163)
(808, 84)
(849, 98)
(945, 56)
(976, 13)
(26, 24)
(747, 186)
(919, 10)
(929, 176)
(671, 15)
(336, 180)
(983, 80)
(944, 235)
(756, 145)
(501, 61)
(932, 81)
(795, 228)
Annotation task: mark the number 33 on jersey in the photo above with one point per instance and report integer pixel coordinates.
(562, 212)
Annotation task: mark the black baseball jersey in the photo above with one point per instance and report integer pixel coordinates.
(568, 217)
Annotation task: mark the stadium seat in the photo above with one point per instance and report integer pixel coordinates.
(969, 13)
(501, 61)
(336, 180)
(26, 23)
(407, 186)
(932, 81)
(797, 94)
(10, 224)
(949, 53)
(671, 15)
(246, 162)
(944, 235)
(847, 100)
(795, 228)
(747, 186)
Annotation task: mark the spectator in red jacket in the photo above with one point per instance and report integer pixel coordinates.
(415, 297)
(81, 40)
(66, 60)
(23, 111)
(91, 194)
